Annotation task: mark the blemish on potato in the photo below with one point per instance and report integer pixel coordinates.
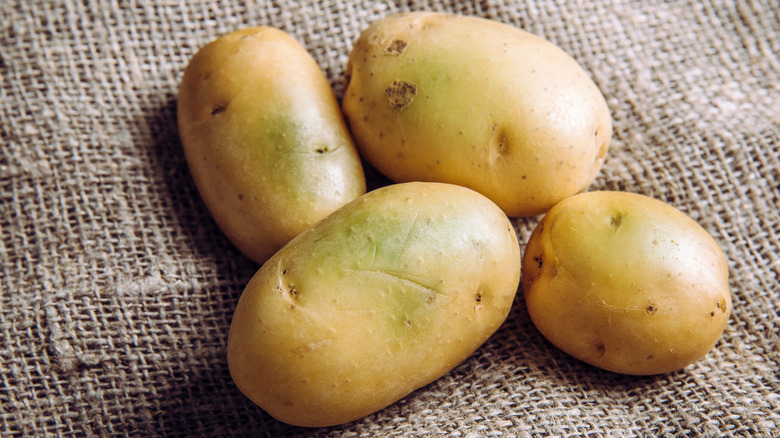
(651, 309)
(308, 348)
(539, 261)
(219, 109)
(396, 47)
(616, 220)
(240, 196)
(498, 141)
(400, 94)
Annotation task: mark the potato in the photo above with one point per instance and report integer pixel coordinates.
(473, 102)
(264, 139)
(384, 296)
(626, 282)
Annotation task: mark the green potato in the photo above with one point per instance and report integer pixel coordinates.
(384, 296)
(264, 139)
(626, 283)
(474, 102)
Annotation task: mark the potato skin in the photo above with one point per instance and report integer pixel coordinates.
(469, 101)
(264, 139)
(626, 283)
(384, 296)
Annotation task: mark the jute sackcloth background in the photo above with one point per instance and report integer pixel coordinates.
(117, 288)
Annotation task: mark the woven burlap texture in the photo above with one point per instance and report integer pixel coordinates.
(117, 288)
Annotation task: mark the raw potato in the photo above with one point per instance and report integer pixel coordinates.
(474, 102)
(626, 283)
(382, 297)
(264, 138)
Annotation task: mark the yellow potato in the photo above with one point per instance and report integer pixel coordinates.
(384, 296)
(474, 102)
(626, 283)
(264, 138)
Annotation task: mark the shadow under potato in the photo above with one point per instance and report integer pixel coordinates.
(197, 397)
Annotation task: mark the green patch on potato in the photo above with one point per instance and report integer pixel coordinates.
(626, 283)
(380, 298)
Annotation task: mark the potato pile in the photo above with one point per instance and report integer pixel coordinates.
(362, 297)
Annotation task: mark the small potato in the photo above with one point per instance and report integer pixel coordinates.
(264, 138)
(626, 283)
(469, 101)
(386, 295)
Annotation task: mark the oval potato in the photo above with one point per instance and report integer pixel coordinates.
(264, 139)
(384, 296)
(474, 102)
(626, 282)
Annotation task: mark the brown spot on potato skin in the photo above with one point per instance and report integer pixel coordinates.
(616, 220)
(600, 347)
(396, 47)
(219, 109)
(400, 94)
(539, 260)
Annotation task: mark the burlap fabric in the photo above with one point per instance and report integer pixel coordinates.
(117, 288)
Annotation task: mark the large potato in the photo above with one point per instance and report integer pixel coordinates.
(626, 283)
(264, 138)
(464, 100)
(384, 296)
